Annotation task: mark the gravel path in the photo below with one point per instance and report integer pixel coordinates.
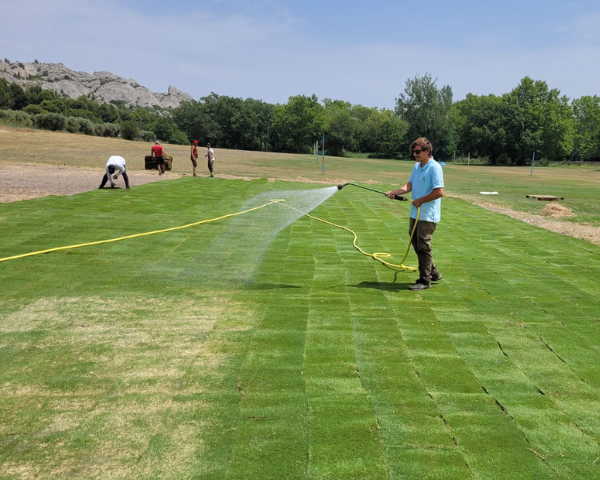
(22, 182)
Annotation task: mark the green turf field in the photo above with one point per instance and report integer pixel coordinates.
(233, 350)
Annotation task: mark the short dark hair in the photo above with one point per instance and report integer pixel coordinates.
(111, 169)
(423, 143)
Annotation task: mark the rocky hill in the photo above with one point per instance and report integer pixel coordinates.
(102, 86)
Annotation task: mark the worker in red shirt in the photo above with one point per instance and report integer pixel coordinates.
(194, 156)
(158, 154)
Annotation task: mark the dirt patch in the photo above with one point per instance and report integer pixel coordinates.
(22, 182)
(577, 230)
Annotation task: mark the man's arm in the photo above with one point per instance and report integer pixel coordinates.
(406, 188)
(430, 197)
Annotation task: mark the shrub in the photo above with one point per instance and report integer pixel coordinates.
(542, 162)
(72, 125)
(34, 110)
(179, 138)
(50, 121)
(16, 118)
(147, 136)
(111, 130)
(129, 130)
(86, 126)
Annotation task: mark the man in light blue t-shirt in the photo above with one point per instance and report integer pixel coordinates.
(426, 183)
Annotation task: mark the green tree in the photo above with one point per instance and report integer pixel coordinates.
(586, 111)
(35, 95)
(5, 95)
(537, 120)
(54, 106)
(166, 130)
(108, 113)
(341, 127)
(129, 130)
(18, 96)
(369, 122)
(34, 110)
(428, 111)
(480, 125)
(297, 124)
(188, 117)
(391, 134)
(254, 124)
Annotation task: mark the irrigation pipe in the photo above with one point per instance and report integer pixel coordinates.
(136, 235)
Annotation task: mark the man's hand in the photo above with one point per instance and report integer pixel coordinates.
(115, 176)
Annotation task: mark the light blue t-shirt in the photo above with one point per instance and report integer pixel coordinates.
(424, 180)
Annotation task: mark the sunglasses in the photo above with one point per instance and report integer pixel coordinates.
(416, 152)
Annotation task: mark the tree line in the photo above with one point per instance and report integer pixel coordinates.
(503, 129)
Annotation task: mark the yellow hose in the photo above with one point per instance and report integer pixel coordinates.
(376, 256)
(134, 236)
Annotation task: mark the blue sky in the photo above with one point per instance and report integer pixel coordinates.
(361, 52)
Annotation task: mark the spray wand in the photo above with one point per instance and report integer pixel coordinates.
(396, 197)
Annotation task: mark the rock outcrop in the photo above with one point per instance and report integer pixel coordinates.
(101, 86)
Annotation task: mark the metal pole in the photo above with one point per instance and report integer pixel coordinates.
(323, 153)
(532, 162)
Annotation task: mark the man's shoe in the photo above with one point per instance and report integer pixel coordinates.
(436, 278)
(128, 188)
(100, 187)
(113, 186)
(420, 285)
(195, 175)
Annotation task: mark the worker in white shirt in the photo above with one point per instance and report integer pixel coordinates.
(115, 167)
(210, 154)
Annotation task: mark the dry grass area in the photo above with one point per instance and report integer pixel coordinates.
(26, 146)
(556, 210)
(135, 354)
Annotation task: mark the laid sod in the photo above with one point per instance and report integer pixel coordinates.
(235, 350)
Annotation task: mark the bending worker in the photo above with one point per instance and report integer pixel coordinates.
(426, 183)
(115, 164)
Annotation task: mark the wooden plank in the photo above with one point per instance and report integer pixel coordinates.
(547, 198)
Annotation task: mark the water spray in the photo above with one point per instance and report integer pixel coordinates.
(396, 197)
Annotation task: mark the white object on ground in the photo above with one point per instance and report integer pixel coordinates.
(489, 193)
